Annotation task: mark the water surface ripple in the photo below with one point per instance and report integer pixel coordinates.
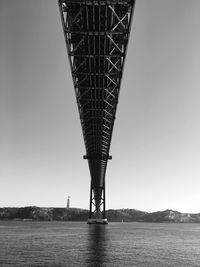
(60, 244)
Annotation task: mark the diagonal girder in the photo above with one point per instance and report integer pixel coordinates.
(96, 34)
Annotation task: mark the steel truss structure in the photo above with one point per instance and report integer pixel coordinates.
(96, 34)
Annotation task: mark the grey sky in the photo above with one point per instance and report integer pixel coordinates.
(155, 145)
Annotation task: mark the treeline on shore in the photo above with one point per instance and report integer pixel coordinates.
(74, 214)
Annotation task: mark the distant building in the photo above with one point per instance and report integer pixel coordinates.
(68, 202)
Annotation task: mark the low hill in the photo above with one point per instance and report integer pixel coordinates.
(44, 214)
(127, 215)
(74, 214)
(171, 216)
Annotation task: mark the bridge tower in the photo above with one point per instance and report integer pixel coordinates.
(96, 34)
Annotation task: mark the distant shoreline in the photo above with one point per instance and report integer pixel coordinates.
(33, 213)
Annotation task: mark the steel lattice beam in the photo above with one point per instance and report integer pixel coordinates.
(96, 35)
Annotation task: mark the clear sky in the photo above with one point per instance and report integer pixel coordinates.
(156, 138)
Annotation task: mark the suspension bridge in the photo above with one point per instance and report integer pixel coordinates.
(97, 34)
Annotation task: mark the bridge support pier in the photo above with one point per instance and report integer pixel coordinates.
(97, 213)
(97, 35)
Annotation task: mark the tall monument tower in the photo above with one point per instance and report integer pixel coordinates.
(68, 202)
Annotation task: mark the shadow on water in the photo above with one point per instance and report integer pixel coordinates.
(97, 245)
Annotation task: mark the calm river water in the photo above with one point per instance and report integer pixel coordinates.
(69, 244)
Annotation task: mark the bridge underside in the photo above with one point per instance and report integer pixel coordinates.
(96, 34)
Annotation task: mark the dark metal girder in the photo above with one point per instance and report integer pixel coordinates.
(97, 157)
(99, 2)
(116, 55)
(96, 34)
